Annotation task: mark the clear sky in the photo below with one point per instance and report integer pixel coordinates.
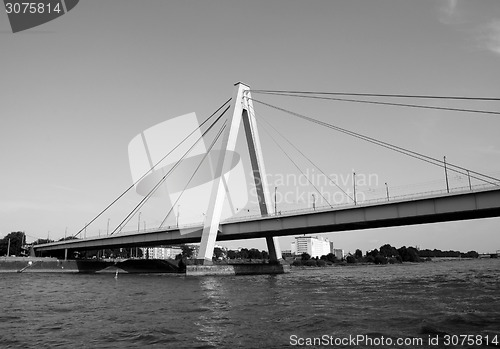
(75, 91)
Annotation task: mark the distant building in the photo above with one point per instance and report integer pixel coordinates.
(161, 252)
(338, 253)
(315, 246)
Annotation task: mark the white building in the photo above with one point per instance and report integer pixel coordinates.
(161, 252)
(315, 246)
(338, 253)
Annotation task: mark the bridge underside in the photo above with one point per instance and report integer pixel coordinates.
(465, 206)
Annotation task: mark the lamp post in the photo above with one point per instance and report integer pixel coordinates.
(446, 174)
(107, 231)
(354, 185)
(275, 209)
(387, 190)
(178, 213)
(314, 202)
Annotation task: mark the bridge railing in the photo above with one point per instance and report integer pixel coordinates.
(323, 208)
(371, 202)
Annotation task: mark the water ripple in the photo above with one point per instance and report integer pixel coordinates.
(414, 300)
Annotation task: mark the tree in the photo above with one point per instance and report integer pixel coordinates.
(187, 252)
(350, 259)
(254, 253)
(311, 263)
(380, 259)
(413, 255)
(244, 253)
(305, 256)
(42, 241)
(218, 253)
(409, 254)
(232, 254)
(16, 242)
(403, 252)
(470, 254)
(388, 251)
(373, 253)
(358, 254)
(321, 263)
(331, 258)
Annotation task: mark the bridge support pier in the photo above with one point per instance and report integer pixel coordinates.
(241, 111)
(273, 246)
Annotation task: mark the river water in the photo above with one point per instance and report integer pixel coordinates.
(427, 300)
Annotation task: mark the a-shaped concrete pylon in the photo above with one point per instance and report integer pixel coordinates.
(241, 111)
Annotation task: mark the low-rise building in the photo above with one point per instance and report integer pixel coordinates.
(338, 253)
(315, 246)
(161, 252)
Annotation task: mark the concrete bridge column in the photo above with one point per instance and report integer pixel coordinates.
(273, 246)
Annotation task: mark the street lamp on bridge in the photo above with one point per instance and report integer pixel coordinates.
(178, 212)
(275, 209)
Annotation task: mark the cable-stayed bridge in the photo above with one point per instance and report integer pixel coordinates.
(471, 202)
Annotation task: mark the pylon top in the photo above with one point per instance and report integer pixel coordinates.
(242, 83)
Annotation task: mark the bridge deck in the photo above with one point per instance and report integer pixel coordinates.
(439, 208)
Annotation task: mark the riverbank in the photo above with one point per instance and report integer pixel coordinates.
(368, 264)
(54, 265)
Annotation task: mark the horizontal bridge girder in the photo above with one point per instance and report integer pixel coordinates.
(450, 207)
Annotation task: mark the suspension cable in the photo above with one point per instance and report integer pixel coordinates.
(384, 103)
(295, 164)
(306, 157)
(388, 145)
(381, 95)
(152, 168)
(162, 180)
(195, 171)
